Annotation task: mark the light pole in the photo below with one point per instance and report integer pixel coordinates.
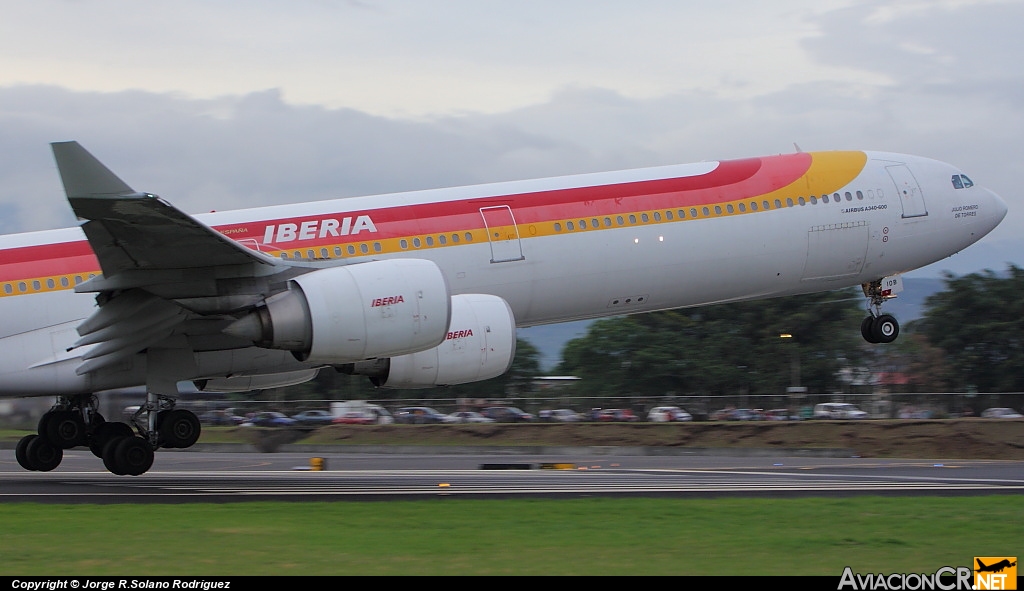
(795, 391)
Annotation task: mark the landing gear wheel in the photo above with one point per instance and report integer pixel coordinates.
(65, 429)
(178, 428)
(133, 455)
(885, 329)
(21, 452)
(110, 456)
(43, 455)
(866, 329)
(104, 433)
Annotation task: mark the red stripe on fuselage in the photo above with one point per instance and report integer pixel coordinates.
(730, 181)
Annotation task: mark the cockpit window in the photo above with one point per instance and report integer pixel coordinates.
(960, 181)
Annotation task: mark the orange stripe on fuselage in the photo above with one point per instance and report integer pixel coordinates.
(543, 212)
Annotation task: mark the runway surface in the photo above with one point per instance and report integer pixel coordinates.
(179, 477)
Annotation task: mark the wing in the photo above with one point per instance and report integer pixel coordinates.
(168, 281)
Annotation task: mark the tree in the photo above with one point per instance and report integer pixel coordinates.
(724, 349)
(978, 323)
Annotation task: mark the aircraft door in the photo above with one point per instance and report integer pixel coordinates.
(502, 233)
(910, 194)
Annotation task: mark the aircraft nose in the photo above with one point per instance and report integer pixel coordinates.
(998, 208)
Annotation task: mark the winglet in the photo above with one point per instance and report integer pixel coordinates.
(83, 175)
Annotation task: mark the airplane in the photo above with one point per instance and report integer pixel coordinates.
(996, 567)
(428, 288)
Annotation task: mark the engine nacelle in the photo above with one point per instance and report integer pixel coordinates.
(354, 312)
(479, 345)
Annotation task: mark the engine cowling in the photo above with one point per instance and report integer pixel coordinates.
(479, 344)
(354, 312)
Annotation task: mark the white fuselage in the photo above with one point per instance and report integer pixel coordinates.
(551, 255)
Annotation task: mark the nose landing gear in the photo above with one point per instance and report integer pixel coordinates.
(878, 327)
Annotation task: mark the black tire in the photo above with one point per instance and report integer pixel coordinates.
(103, 433)
(110, 457)
(66, 429)
(21, 452)
(133, 455)
(885, 329)
(179, 429)
(43, 427)
(867, 329)
(43, 455)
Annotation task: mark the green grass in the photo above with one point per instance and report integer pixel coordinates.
(592, 536)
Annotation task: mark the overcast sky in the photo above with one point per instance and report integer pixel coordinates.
(218, 105)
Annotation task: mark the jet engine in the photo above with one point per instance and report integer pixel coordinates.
(479, 344)
(354, 312)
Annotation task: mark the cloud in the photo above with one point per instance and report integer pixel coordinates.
(940, 82)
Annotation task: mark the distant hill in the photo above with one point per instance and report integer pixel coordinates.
(550, 339)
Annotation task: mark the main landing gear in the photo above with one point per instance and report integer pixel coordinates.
(74, 421)
(878, 327)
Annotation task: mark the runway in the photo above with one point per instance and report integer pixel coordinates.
(179, 477)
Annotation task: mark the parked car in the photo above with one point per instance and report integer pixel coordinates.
(467, 416)
(271, 419)
(838, 410)
(418, 415)
(780, 414)
(1000, 413)
(220, 417)
(314, 418)
(507, 414)
(617, 415)
(356, 417)
(668, 414)
(737, 414)
(562, 415)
